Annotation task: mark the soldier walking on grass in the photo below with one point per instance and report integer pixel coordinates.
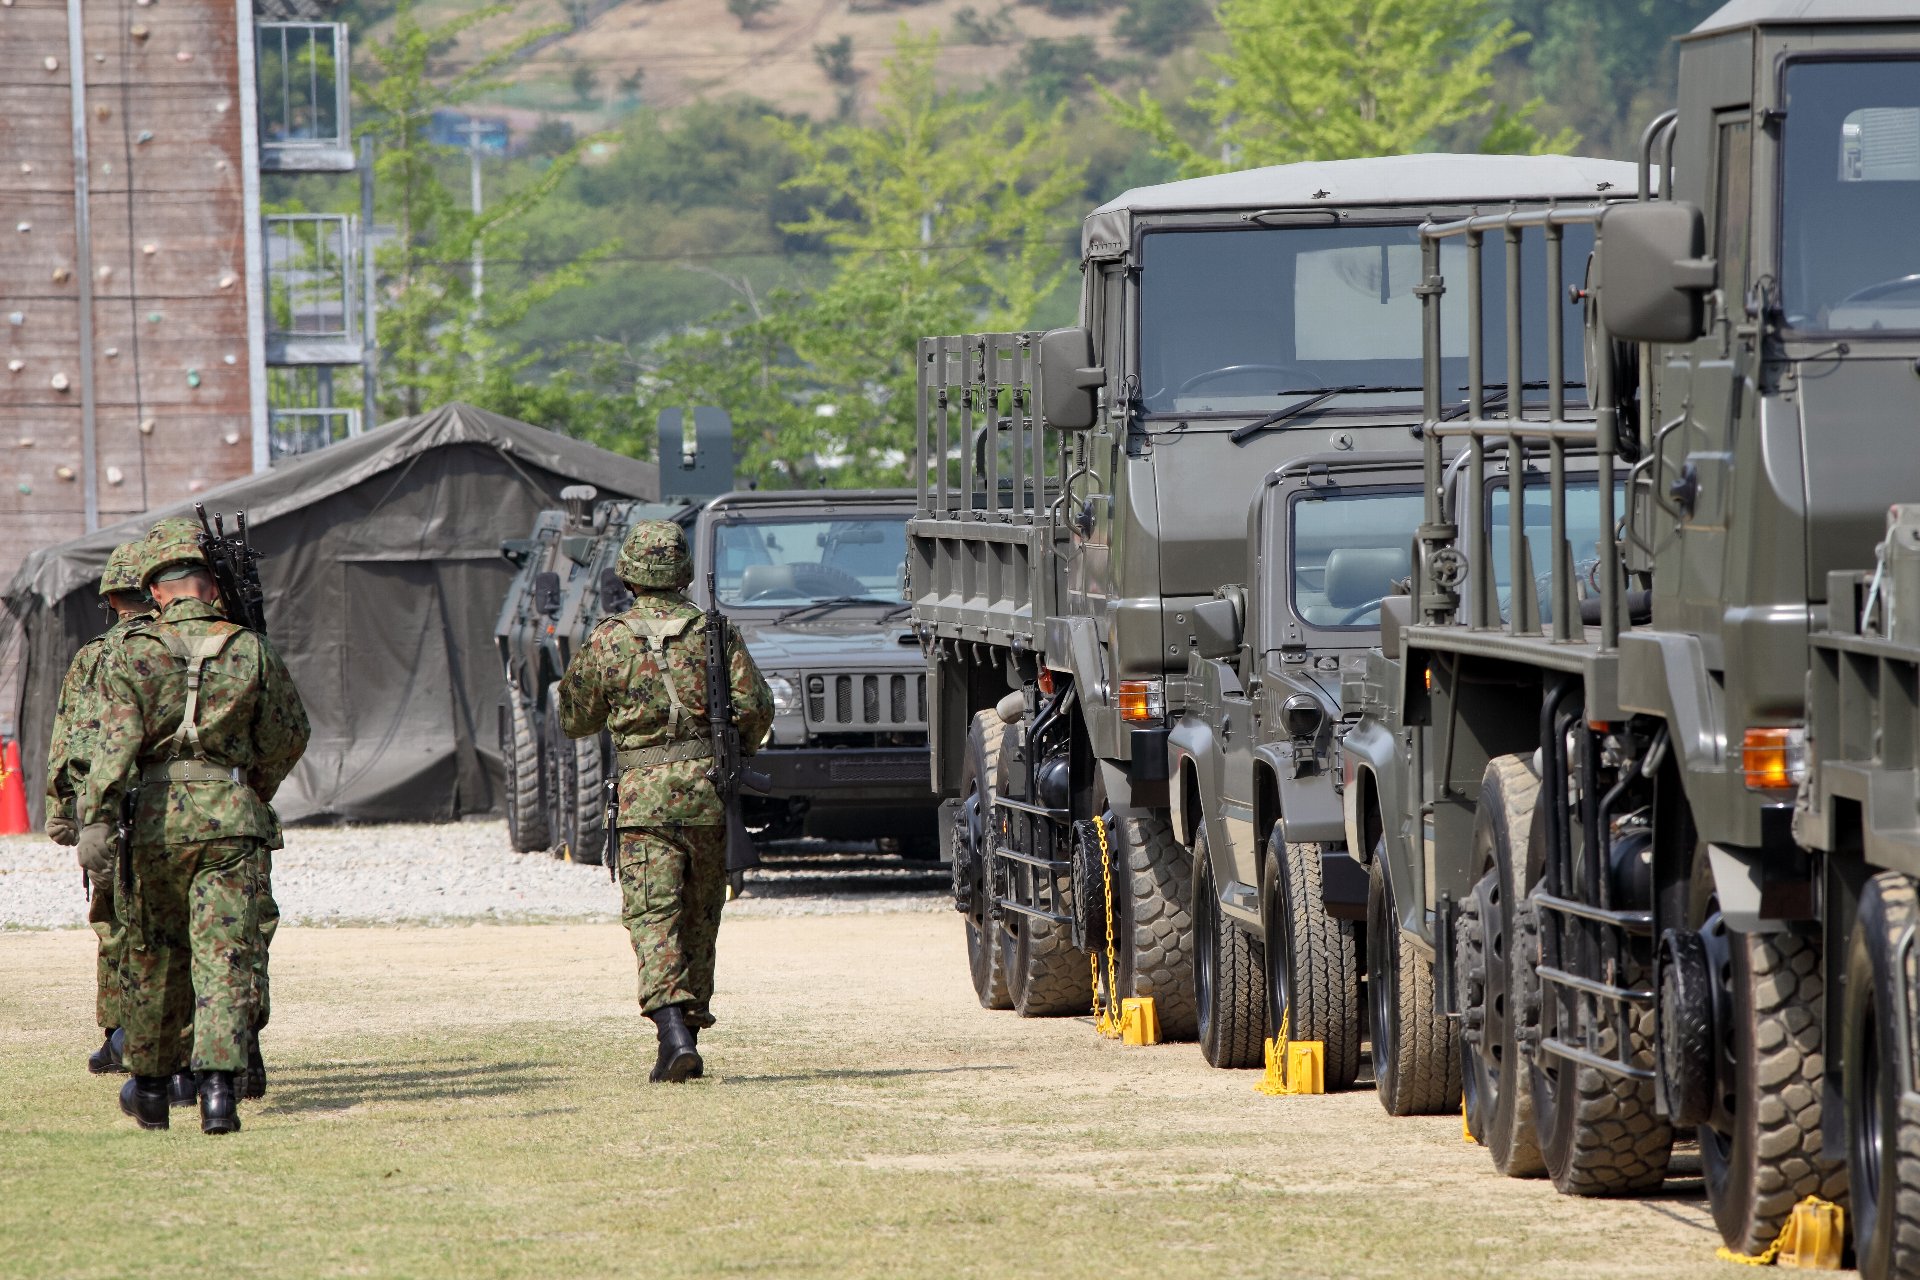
(68, 757)
(641, 676)
(201, 716)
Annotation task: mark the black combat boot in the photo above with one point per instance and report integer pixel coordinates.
(106, 1060)
(145, 1099)
(678, 1059)
(255, 1084)
(699, 1063)
(182, 1088)
(218, 1113)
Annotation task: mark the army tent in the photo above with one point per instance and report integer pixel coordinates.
(383, 581)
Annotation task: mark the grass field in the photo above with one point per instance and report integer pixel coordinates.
(472, 1102)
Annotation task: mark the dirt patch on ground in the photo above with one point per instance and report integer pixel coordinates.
(472, 1100)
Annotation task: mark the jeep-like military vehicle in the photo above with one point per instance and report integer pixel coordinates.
(1063, 547)
(1585, 735)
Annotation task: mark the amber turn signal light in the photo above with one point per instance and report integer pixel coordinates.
(1774, 759)
(1142, 701)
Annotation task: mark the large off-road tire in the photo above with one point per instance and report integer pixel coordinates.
(524, 776)
(1229, 974)
(1152, 919)
(1313, 969)
(1416, 1050)
(973, 829)
(589, 825)
(1883, 1104)
(1761, 1155)
(562, 815)
(1494, 956)
(1045, 973)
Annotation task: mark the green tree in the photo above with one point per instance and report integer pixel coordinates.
(836, 60)
(1329, 79)
(437, 342)
(747, 12)
(1160, 26)
(584, 82)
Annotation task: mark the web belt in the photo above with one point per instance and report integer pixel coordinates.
(642, 757)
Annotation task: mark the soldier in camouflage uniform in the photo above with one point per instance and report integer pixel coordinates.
(68, 755)
(642, 676)
(201, 714)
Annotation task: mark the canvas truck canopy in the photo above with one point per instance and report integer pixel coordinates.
(383, 578)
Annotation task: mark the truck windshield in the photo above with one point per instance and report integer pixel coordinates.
(781, 563)
(1248, 320)
(1349, 548)
(1850, 206)
(1583, 533)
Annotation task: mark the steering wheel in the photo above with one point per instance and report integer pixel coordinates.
(1886, 288)
(1228, 370)
(1360, 611)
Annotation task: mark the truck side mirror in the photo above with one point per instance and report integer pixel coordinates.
(1068, 379)
(1216, 628)
(1654, 274)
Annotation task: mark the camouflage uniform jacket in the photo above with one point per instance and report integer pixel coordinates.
(615, 683)
(68, 752)
(249, 716)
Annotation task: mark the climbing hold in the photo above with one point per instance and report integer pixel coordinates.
(115, 475)
(107, 168)
(24, 227)
(220, 164)
(227, 281)
(185, 55)
(103, 111)
(232, 437)
(65, 473)
(61, 275)
(23, 486)
(153, 317)
(144, 136)
(105, 273)
(149, 248)
(193, 377)
(50, 63)
(138, 31)
(221, 106)
(16, 317)
(146, 426)
(230, 358)
(112, 352)
(15, 366)
(60, 382)
(196, 485)
(26, 442)
(25, 167)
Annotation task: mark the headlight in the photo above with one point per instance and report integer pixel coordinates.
(786, 699)
(1302, 715)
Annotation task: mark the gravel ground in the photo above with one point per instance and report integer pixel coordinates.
(463, 873)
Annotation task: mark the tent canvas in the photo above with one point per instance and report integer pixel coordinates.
(383, 581)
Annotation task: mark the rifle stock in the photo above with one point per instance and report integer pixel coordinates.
(728, 772)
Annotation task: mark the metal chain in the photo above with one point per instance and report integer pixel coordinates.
(1106, 1011)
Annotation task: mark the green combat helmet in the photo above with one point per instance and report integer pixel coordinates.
(173, 550)
(655, 557)
(124, 566)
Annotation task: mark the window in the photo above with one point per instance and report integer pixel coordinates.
(1349, 548)
(778, 563)
(1733, 206)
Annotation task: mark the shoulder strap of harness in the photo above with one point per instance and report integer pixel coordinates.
(195, 651)
(654, 633)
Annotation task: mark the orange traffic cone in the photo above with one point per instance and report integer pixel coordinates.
(13, 791)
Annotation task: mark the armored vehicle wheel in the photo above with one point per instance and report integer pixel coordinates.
(1229, 974)
(524, 769)
(561, 814)
(972, 826)
(589, 799)
(1883, 1104)
(1760, 1149)
(1494, 964)
(1152, 917)
(1416, 1051)
(1046, 973)
(1312, 970)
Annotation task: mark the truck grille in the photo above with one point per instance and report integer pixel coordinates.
(862, 702)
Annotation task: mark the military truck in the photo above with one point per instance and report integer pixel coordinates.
(1063, 547)
(812, 578)
(1582, 741)
(814, 581)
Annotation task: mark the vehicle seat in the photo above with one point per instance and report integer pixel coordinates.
(767, 579)
(1361, 575)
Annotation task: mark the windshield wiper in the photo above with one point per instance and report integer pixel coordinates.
(1315, 397)
(830, 602)
(1498, 396)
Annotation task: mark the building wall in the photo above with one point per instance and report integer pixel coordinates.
(165, 268)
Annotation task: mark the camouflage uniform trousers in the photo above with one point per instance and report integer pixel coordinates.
(196, 960)
(109, 982)
(673, 884)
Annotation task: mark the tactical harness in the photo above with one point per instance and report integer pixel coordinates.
(654, 633)
(184, 761)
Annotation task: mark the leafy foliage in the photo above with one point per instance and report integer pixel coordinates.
(1160, 26)
(1328, 79)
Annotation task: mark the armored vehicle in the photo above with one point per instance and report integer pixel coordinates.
(814, 581)
(1585, 734)
(1228, 325)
